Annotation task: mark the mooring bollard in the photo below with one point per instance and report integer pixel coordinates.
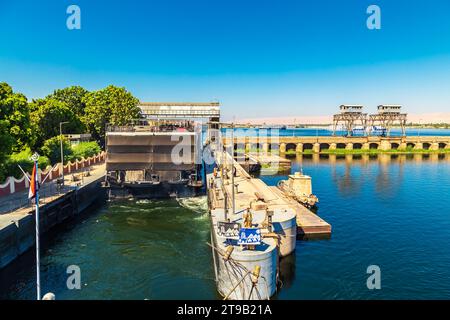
(49, 296)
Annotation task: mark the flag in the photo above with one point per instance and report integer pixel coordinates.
(33, 183)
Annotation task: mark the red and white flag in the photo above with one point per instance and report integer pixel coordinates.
(33, 183)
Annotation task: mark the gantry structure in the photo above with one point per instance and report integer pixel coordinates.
(387, 117)
(350, 116)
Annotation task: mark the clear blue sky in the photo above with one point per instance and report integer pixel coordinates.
(258, 57)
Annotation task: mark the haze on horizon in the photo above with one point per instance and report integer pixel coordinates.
(261, 59)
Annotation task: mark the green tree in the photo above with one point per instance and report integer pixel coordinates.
(14, 110)
(6, 144)
(112, 105)
(52, 149)
(46, 116)
(72, 97)
(85, 150)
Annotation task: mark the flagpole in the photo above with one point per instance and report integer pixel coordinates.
(35, 157)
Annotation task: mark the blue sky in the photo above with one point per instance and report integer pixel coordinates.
(259, 58)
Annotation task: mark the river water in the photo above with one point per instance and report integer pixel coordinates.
(389, 211)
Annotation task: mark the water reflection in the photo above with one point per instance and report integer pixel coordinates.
(350, 172)
(365, 158)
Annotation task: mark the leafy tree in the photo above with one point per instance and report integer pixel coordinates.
(15, 112)
(85, 150)
(72, 97)
(46, 116)
(52, 149)
(6, 144)
(22, 158)
(112, 105)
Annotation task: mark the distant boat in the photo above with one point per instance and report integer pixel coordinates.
(358, 130)
(379, 130)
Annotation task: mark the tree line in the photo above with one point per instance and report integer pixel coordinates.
(29, 126)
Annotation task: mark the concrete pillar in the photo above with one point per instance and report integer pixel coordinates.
(349, 146)
(299, 147)
(434, 146)
(282, 147)
(316, 147)
(12, 185)
(384, 145)
(365, 146)
(332, 146)
(418, 146)
(265, 147)
(402, 146)
(248, 146)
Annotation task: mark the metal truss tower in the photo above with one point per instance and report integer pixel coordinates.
(350, 116)
(388, 116)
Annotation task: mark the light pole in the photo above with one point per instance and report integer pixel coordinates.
(62, 151)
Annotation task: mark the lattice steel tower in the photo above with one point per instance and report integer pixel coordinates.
(350, 116)
(388, 116)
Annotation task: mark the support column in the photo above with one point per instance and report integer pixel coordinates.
(434, 146)
(12, 185)
(332, 146)
(265, 147)
(316, 147)
(365, 146)
(299, 148)
(349, 146)
(418, 146)
(402, 146)
(282, 147)
(384, 145)
(248, 146)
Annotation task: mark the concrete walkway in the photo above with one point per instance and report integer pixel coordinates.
(17, 205)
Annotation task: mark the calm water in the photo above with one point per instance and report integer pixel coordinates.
(307, 132)
(390, 212)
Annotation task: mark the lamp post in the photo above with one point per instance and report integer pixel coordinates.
(62, 151)
(34, 187)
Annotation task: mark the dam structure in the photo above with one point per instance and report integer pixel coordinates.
(319, 143)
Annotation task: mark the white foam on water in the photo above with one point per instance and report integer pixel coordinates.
(196, 204)
(144, 201)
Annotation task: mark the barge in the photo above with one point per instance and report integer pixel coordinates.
(154, 159)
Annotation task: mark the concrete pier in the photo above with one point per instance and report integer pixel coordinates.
(249, 189)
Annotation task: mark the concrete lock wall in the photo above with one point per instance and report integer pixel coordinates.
(19, 235)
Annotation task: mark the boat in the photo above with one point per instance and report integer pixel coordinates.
(139, 159)
(299, 187)
(247, 244)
